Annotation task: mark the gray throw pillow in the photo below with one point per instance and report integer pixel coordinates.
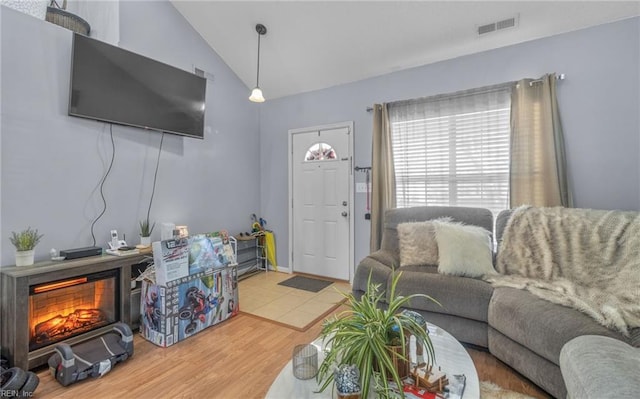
(417, 242)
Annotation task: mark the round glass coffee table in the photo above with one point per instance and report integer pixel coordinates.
(450, 356)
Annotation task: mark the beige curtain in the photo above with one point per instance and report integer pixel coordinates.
(538, 173)
(383, 189)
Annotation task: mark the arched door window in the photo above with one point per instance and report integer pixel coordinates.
(320, 152)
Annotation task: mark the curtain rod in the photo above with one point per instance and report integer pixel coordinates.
(560, 76)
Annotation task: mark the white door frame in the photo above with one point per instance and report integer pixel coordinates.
(349, 126)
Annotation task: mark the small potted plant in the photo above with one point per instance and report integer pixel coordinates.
(373, 336)
(25, 242)
(146, 228)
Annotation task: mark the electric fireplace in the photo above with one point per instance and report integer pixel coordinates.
(71, 301)
(65, 308)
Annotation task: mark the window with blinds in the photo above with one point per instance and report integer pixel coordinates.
(453, 150)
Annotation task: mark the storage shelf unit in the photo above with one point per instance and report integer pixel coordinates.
(250, 257)
(261, 254)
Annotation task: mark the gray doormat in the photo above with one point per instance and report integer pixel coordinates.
(306, 283)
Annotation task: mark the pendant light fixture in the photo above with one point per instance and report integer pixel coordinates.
(256, 93)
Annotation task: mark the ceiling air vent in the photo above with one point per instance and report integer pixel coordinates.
(499, 25)
(486, 28)
(506, 23)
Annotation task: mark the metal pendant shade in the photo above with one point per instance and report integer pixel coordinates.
(256, 93)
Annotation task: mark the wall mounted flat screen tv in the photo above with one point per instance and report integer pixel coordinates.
(114, 85)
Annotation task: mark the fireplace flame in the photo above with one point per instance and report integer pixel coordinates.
(65, 325)
(63, 309)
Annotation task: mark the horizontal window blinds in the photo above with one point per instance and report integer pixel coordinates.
(453, 150)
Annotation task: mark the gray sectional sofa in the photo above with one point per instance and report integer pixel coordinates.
(596, 367)
(523, 330)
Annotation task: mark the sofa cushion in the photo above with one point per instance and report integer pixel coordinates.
(501, 224)
(374, 268)
(583, 258)
(634, 337)
(392, 217)
(459, 296)
(540, 325)
(539, 370)
(417, 242)
(464, 330)
(600, 367)
(463, 250)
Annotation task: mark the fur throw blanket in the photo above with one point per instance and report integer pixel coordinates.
(582, 258)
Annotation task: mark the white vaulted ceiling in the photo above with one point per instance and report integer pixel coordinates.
(312, 45)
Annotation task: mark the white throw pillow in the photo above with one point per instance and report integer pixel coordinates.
(463, 250)
(417, 242)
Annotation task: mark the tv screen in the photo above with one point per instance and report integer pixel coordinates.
(115, 85)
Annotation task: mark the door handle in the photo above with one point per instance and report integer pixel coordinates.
(344, 213)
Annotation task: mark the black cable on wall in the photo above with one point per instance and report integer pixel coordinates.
(104, 178)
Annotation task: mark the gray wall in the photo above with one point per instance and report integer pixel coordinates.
(599, 103)
(52, 163)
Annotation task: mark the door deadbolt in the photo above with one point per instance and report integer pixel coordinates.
(344, 203)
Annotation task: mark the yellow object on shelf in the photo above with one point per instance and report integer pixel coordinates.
(270, 249)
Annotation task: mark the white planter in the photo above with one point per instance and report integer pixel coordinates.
(24, 258)
(36, 8)
(145, 241)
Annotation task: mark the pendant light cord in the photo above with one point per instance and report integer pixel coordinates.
(258, 68)
(256, 94)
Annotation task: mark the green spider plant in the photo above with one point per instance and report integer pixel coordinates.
(362, 334)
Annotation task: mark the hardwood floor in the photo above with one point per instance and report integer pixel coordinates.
(238, 358)
(491, 369)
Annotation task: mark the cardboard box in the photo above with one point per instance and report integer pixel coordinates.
(171, 258)
(210, 251)
(188, 305)
(180, 257)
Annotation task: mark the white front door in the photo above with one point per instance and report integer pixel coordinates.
(321, 201)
